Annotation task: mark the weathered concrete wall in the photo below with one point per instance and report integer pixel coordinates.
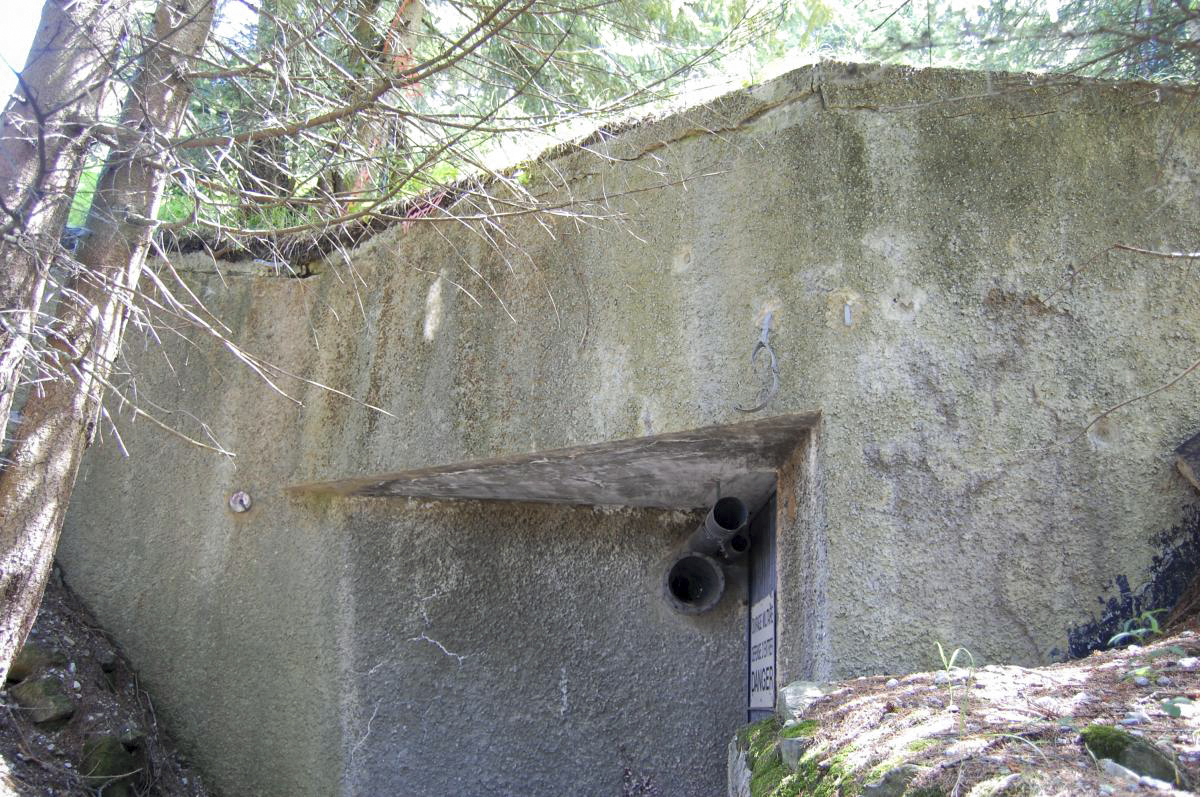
(912, 232)
(562, 667)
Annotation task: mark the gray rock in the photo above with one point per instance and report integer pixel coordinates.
(1141, 680)
(894, 783)
(999, 786)
(1113, 769)
(44, 700)
(798, 697)
(1145, 759)
(1189, 663)
(952, 676)
(109, 763)
(107, 658)
(1155, 783)
(737, 771)
(792, 750)
(33, 658)
(892, 683)
(132, 735)
(1135, 718)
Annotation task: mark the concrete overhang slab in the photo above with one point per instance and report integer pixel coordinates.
(680, 470)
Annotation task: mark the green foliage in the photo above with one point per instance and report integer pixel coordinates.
(815, 777)
(82, 201)
(1172, 706)
(767, 772)
(1139, 628)
(1103, 38)
(469, 85)
(313, 115)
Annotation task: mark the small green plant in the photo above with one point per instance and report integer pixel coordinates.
(1172, 706)
(1018, 738)
(948, 663)
(1145, 671)
(1138, 628)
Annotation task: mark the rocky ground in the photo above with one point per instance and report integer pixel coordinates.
(1119, 722)
(74, 720)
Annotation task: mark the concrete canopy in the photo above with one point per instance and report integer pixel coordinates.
(680, 470)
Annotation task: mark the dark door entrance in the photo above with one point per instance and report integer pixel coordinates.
(760, 625)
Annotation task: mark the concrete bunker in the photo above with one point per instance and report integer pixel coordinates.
(913, 245)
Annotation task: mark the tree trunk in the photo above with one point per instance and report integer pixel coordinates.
(379, 133)
(58, 420)
(43, 140)
(266, 158)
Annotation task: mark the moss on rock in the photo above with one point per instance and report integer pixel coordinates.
(45, 700)
(110, 765)
(756, 737)
(767, 775)
(805, 729)
(33, 658)
(1105, 741)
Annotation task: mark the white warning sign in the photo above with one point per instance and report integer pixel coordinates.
(762, 653)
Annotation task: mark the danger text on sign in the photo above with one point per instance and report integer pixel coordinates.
(762, 653)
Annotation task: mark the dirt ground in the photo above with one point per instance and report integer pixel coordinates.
(112, 723)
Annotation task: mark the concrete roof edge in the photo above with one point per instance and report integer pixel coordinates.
(851, 86)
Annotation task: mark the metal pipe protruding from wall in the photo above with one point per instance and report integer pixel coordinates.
(724, 523)
(694, 583)
(738, 546)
